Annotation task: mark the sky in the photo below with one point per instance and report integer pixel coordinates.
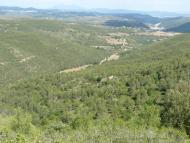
(144, 5)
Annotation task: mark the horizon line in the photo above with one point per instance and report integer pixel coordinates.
(82, 9)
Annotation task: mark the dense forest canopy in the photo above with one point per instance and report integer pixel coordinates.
(89, 77)
(146, 91)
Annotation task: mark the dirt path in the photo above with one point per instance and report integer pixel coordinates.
(114, 56)
(75, 69)
(110, 58)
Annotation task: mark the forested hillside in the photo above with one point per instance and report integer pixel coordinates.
(142, 97)
(185, 28)
(126, 23)
(174, 22)
(35, 46)
(31, 46)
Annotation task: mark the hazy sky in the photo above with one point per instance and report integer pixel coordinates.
(148, 5)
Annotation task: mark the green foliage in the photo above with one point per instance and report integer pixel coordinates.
(20, 139)
(169, 23)
(176, 110)
(30, 47)
(142, 97)
(21, 123)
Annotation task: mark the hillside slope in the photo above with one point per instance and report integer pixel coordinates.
(142, 97)
(184, 28)
(31, 46)
(126, 23)
(168, 23)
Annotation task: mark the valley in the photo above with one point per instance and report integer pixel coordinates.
(45, 46)
(89, 77)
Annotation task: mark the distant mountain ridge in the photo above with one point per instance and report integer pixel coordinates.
(75, 8)
(7, 8)
(160, 14)
(128, 18)
(58, 13)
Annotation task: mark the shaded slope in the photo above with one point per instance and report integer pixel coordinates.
(126, 23)
(184, 28)
(168, 23)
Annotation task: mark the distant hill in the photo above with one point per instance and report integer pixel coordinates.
(73, 11)
(160, 14)
(168, 23)
(51, 13)
(126, 23)
(144, 15)
(139, 17)
(184, 28)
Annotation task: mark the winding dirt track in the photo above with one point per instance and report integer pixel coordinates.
(114, 56)
(75, 69)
